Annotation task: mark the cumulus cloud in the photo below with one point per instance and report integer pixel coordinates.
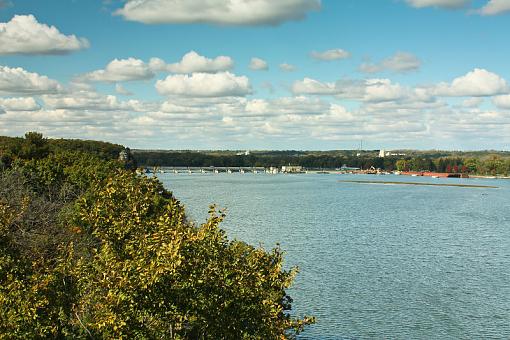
(232, 121)
(401, 62)
(343, 88)
(17, 81)
(364, 91)
(287, 67)
(298, 105)
(448, 4)
(502, 102)
(258, 64)
(494, 7)
(223, 84)
(221, 12)
(19, 104)
(378, 90)
(472, 102)
(121, 70)
(25, 35)
(329, 55)
(193, 62)
(477, 83)
(313, 87)
(84, 100)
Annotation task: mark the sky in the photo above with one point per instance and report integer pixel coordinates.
(259, 74)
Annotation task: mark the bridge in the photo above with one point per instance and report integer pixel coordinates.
(211, 169)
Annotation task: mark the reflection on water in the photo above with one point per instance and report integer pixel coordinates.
(396, 262)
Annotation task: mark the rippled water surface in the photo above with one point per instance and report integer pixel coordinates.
(376, 261)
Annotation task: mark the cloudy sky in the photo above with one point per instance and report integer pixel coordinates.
(258, 74)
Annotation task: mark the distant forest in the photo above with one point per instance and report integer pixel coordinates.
(475, 162)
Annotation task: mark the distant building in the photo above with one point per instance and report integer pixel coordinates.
(272, 170)
(383, 153)
(246, 153)
(292, 169)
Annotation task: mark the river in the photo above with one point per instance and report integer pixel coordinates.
(376, 261)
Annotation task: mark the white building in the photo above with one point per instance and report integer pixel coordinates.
(292, 168)
(383, 153)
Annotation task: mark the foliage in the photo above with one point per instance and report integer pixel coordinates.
(90, 250)
(34, 145)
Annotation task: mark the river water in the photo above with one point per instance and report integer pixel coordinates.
(376, 261)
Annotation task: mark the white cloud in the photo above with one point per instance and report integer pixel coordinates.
(408, 107)
(81, 101)
(24, 35)
(477, 83)
(379, 90)
(448, 4)
(287, 67)
(329, 55)
(222, 84)
(298, 105)
(371, 90)
(19, 104)
(494, 7)
(121, 70)
(222, 12)
(313, 87)
(258, 64)
(472, 102)
(502, 102)
(90, 100)
(20, 82)
(193, 62)
(400, 62)
(367, 91)
(351, 88)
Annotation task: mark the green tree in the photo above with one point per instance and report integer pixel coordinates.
(34, 146)
(402, 165)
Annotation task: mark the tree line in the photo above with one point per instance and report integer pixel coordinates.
(488, 165)
(484, 163)
(203, 159)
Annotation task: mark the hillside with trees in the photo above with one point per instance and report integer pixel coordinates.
(90, 249)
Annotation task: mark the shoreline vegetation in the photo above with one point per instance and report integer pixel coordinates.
(91, 249)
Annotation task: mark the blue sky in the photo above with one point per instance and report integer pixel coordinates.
(396, 73)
